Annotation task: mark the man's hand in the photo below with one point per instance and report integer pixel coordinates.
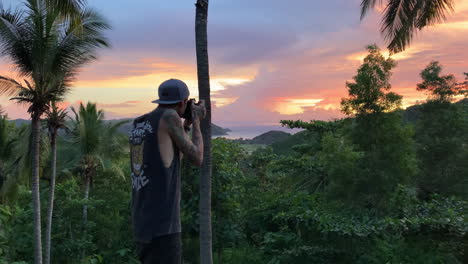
(193, 149)
(198, 111)
(187, 123)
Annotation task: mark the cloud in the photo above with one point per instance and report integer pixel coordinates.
(127, 104)
(114, 68)
(317, 73)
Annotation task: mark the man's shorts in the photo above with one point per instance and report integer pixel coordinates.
(164, 249)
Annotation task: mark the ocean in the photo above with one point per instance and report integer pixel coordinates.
(249, 132)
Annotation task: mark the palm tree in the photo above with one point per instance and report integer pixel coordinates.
(55, 121)
(201, 36)
(96, 143)
(87, 126)
(402, 18)
(47, 50)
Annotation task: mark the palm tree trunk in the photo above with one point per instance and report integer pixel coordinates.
(86, 197)
(36, 134)
(85, 206)
(201, 36)
(51, 196)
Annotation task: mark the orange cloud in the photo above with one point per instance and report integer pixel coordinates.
(408, 53)
(291, 106)
(220, 101)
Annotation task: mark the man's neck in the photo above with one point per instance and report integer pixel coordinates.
(165, 108)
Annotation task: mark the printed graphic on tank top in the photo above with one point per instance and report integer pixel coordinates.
(137, 143)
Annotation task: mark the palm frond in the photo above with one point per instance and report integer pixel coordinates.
(9, 86)
(433, 12)
(67, 7)
(21, 166)
(367, 5)
(398, 23)
(77, 47)
(403, 18)
(87, 128)
(48, 43)
(14, 39)
(55, 118)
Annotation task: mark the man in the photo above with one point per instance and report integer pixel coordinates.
(156, 143)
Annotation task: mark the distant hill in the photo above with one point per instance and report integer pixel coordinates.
(267, 138)
(284, 147)
(125, 128)
(20, 122)
(219, 131)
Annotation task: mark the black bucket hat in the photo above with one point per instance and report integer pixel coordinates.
(172, 91)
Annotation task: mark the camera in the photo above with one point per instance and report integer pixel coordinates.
(188, 111)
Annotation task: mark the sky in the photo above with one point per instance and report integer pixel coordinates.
(269, 59)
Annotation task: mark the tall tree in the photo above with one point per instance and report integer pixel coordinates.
(55, 121)
(440, 87)
(87, 126)
(96, 144)
(464, 85)
(403, 18)
(47, 51)
(367, 92)
(381, 152)
(203, 73)
(441, 134)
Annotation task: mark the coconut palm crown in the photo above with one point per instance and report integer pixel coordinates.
(47, 50)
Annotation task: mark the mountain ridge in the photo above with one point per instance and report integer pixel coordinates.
(125, 128)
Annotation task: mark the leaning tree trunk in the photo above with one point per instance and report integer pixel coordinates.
(201, 37)
(53, 143)
(36, 135)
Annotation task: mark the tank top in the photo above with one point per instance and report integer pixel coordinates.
(155, 188)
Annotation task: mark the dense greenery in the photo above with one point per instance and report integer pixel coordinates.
(369, 188)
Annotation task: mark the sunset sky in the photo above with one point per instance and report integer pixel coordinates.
(269, 59)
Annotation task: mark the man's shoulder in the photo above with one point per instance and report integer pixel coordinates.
(145, 117)
(171, 118)
(140, 119)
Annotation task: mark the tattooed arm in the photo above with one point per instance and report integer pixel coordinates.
(193, 149)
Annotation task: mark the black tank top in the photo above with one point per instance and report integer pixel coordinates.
(155, 188)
